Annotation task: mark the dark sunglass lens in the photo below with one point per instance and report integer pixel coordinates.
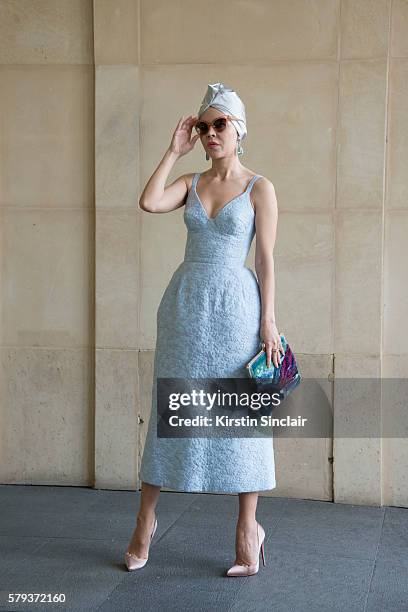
(202, 127)
(220, 124)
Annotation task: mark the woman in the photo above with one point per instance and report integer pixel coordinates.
(211, 318)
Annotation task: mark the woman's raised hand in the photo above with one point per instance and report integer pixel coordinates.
(181, 142)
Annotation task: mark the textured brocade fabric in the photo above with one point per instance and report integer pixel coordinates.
(208, 324)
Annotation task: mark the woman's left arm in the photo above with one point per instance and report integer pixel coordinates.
(266, 220)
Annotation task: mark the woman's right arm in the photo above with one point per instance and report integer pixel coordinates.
(156, 197)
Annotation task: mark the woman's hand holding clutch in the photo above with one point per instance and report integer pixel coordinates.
(272, 343)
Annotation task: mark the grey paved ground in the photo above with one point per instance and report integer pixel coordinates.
(320, 556)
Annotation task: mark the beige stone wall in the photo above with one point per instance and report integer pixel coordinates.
(47, 248)
(90, 95)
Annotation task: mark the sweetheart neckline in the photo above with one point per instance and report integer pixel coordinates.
(225, 205)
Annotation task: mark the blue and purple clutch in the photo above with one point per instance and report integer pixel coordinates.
(282, 379)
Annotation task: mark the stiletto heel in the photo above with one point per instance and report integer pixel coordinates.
(263, 552)
(132, 561)
(250, 570)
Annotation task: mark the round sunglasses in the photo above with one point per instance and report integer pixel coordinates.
(219, 124)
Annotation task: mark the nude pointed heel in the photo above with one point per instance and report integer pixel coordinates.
(263, 552)
(250, 570)
(134, 562)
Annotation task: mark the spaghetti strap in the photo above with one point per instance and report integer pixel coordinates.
(195, 179)
(252, 181)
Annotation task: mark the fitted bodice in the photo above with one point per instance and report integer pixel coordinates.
(225, 238)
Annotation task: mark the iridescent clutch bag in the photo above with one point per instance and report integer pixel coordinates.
(282, 379)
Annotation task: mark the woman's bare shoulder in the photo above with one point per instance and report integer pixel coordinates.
(263, 192)
(262, 181)
(188, 179)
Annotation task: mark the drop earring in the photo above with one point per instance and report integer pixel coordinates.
(239, 149)
(207, 157)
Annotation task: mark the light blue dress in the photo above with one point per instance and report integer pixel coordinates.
(208, 324)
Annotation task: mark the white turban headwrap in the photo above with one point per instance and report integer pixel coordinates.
(228, 102)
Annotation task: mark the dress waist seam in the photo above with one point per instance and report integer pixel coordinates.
(218, 263)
